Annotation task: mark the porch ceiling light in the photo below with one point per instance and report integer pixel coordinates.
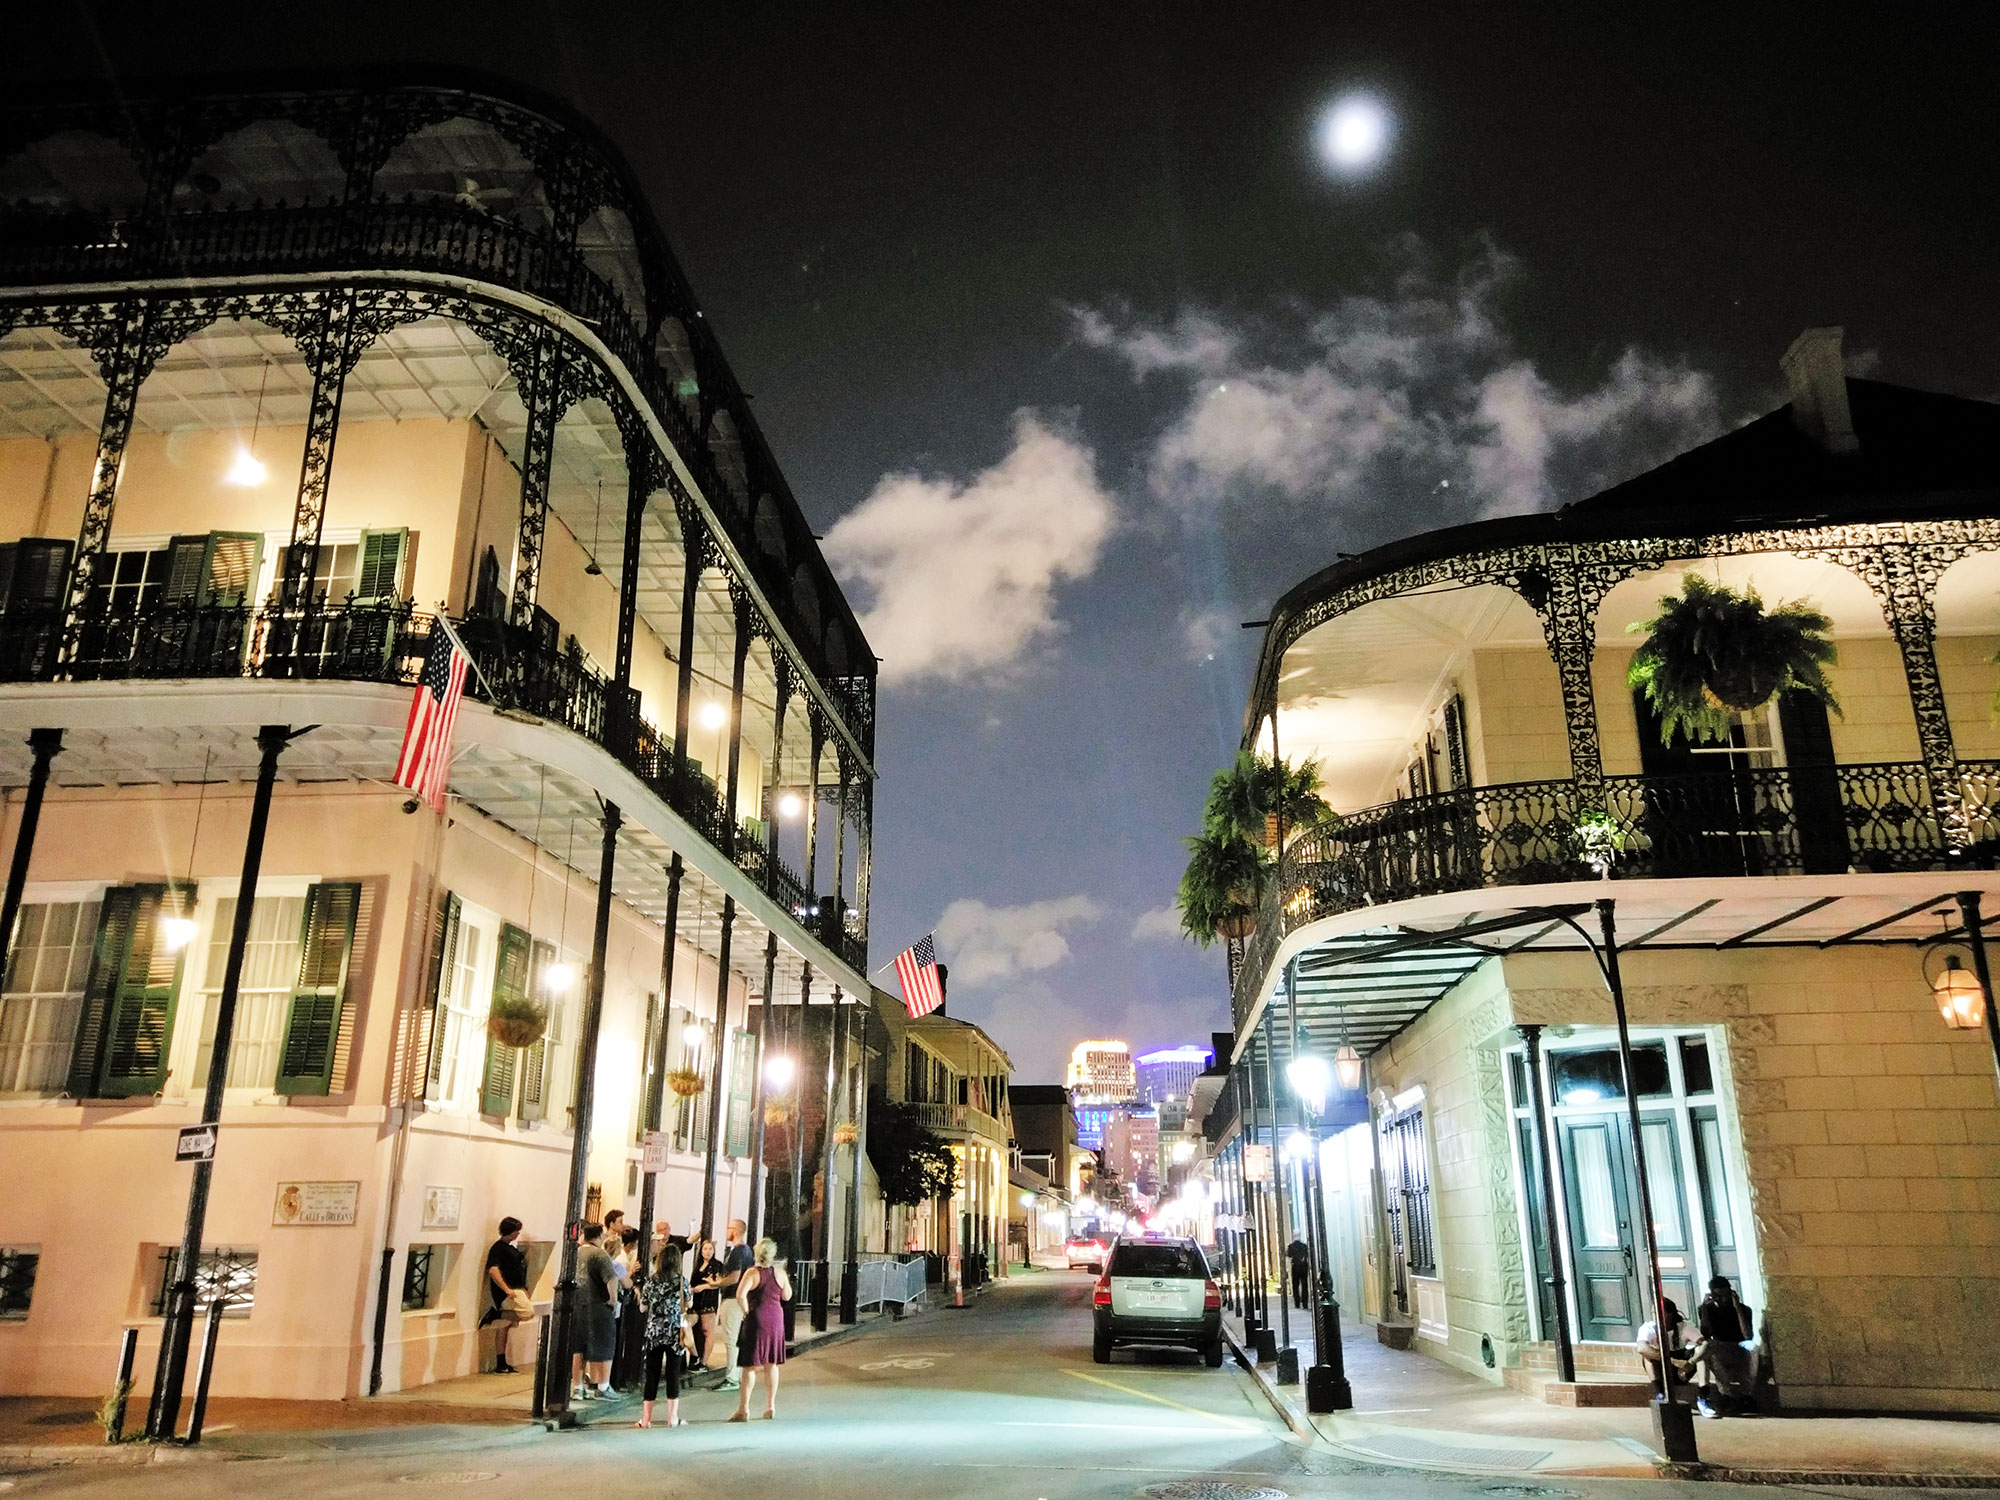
(778, 1071)
(559, 977)
(692, 1035)
(176, 932)
(1347, 1067)
(790, 805)
(246, 472)
(713, 715)
(1960, 1000)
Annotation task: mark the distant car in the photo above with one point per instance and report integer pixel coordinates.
(1084, 1250)
(1157, 1291)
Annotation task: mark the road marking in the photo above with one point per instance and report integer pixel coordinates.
(906, 1362)
(1237, 1422)
(1155, 1428)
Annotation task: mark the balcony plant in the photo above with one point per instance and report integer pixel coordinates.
(516, 1021)
(845, 1133)
(1254, 797)
(1713, 652)
(1598, 839)
(686, 1082)
(1222, 885)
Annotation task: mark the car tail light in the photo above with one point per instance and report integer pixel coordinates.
(1211, 1295)
(1102, 1296)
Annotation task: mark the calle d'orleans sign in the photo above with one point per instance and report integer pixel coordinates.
(309, 1204)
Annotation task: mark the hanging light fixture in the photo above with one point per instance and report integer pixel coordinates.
(778, 1071)
(178, 930)
(559, 976)
(591, 569)
(1308, 1074)
(790, 805)
(713, 715)
(246, 472)
(1347, 1067)
(1955, 987)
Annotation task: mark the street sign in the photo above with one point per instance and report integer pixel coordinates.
(196, 1142)
(653, 1158)
(1256, 1163)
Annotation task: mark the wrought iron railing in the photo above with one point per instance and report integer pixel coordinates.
(1735, 821)
(371, 642)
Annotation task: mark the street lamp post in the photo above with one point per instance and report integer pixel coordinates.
(1311, 1077)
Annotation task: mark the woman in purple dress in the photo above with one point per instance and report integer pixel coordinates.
(760, 1347)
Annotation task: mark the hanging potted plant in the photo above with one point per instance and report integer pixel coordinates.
(776, 1113)
(1254, 798)
(1598, 839)
(844, 1134)
(1712, 653)
(686, 1082)
(516, 1021)
(1221, 887)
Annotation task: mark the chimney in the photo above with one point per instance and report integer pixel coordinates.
(1818, 379)
(943, 975)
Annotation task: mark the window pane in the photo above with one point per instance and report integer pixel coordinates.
(1663, 1183)
(1695, 1070)
(1583, 1077)
(43, 998)
(1517, 1078)
(1715, 1183)
(263, 993)
(1596, 1208)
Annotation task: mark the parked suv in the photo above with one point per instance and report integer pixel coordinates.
(1157, 1291)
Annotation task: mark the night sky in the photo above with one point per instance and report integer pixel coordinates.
(1080, 356)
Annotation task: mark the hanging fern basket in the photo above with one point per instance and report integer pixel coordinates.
(517, 1023)
(1712, 653)
(777, 1114)
(844, 1134)
(686, 1082)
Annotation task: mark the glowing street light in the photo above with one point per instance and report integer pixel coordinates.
(1311, 1079)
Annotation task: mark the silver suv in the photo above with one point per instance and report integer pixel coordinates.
(1157, 1291)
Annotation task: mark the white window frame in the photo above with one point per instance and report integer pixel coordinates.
(467, 998)
(191, 1009)
(55, 894)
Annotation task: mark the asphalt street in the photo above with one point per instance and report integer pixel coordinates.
(1000, 1399)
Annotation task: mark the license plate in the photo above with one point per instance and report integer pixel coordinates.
(1157, 1299)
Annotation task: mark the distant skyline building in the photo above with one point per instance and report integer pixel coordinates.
(1100, 1071)
(1165, 1076)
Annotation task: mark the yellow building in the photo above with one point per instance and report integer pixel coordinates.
(1101, 1072)
(285, 379)
(956, 1077)
(1810, 1127)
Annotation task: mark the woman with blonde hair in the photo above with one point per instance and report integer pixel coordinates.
(762, 1294)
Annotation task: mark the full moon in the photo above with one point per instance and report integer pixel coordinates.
(1353, 133)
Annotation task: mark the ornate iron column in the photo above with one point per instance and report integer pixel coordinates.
(864, 867)
(857, 1111)
(543, 397)
(656, 1086)
(817, 743)
(326, 347)
(1904, 580)
(839, 860)
(45, 745)
(781, 676)
(836, 1041)
(715, 1078)
(798, 1244)
(741, 600)
(1545, 1175)
(124, 359)
(638, 490)
(694, 550)
(1569, 621)
(767, 1018)
(1288, 1359)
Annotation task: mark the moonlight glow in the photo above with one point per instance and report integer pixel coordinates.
(1353, 133)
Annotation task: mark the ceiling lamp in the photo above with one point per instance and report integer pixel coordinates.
(246, 472)
(1310, 1078)
(176, 932)
(778, 1071)
(790, 805)
(713, 715)
(1347, 1067)
(559, 977)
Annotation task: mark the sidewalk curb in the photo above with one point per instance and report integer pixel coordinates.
(1720, 1474)
(1289, 1410)
(124, 1455)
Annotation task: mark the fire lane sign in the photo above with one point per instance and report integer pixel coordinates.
(196, 1142)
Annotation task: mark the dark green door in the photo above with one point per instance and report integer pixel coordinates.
(1538, 1238)
(1601, 1225)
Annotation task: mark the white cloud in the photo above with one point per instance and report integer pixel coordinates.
(982, 944)
(1207, 631)
(1160, 922)
(1410, 406)
(961, 578)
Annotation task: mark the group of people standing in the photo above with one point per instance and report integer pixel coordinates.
(726, 1314)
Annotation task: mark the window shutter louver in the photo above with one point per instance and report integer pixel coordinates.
(535, 1059)
(187, 569)
(510, 980)
(326, 950)
(138, 1016)
(444, 975)
(107, 964)
(230, 567)
(382, 555)
(34, 574)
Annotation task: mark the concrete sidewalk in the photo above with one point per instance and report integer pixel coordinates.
(466, 1413)
(1418, 1412)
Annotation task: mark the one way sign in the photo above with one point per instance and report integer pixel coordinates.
(196, 1143)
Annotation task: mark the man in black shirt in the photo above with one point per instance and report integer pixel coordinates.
(506, 1274)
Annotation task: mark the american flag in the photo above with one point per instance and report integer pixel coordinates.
(424, 766)
(917, 973)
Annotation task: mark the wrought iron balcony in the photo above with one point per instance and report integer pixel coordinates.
(385, 643)
(1738, 821)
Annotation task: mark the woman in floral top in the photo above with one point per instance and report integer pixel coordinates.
(665, 1301)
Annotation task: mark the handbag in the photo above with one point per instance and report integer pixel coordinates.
(519, 1304)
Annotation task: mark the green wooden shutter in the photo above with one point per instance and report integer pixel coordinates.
(510, 979)
(742, 1060)
(134, 980)
(34, 574)
(326, 951)
(535, 1059)
(229, 567)
(187, 570)
(444, 975)
(115, 918)
(381, 577)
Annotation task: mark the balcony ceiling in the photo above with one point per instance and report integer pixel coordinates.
(244, 376)
(1352, 988)
(169, 735)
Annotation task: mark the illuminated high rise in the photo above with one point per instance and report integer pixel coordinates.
(1100, 1071)
(1165, 1076)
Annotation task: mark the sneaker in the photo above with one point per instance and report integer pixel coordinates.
(730, 1385)
(604, 1391)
